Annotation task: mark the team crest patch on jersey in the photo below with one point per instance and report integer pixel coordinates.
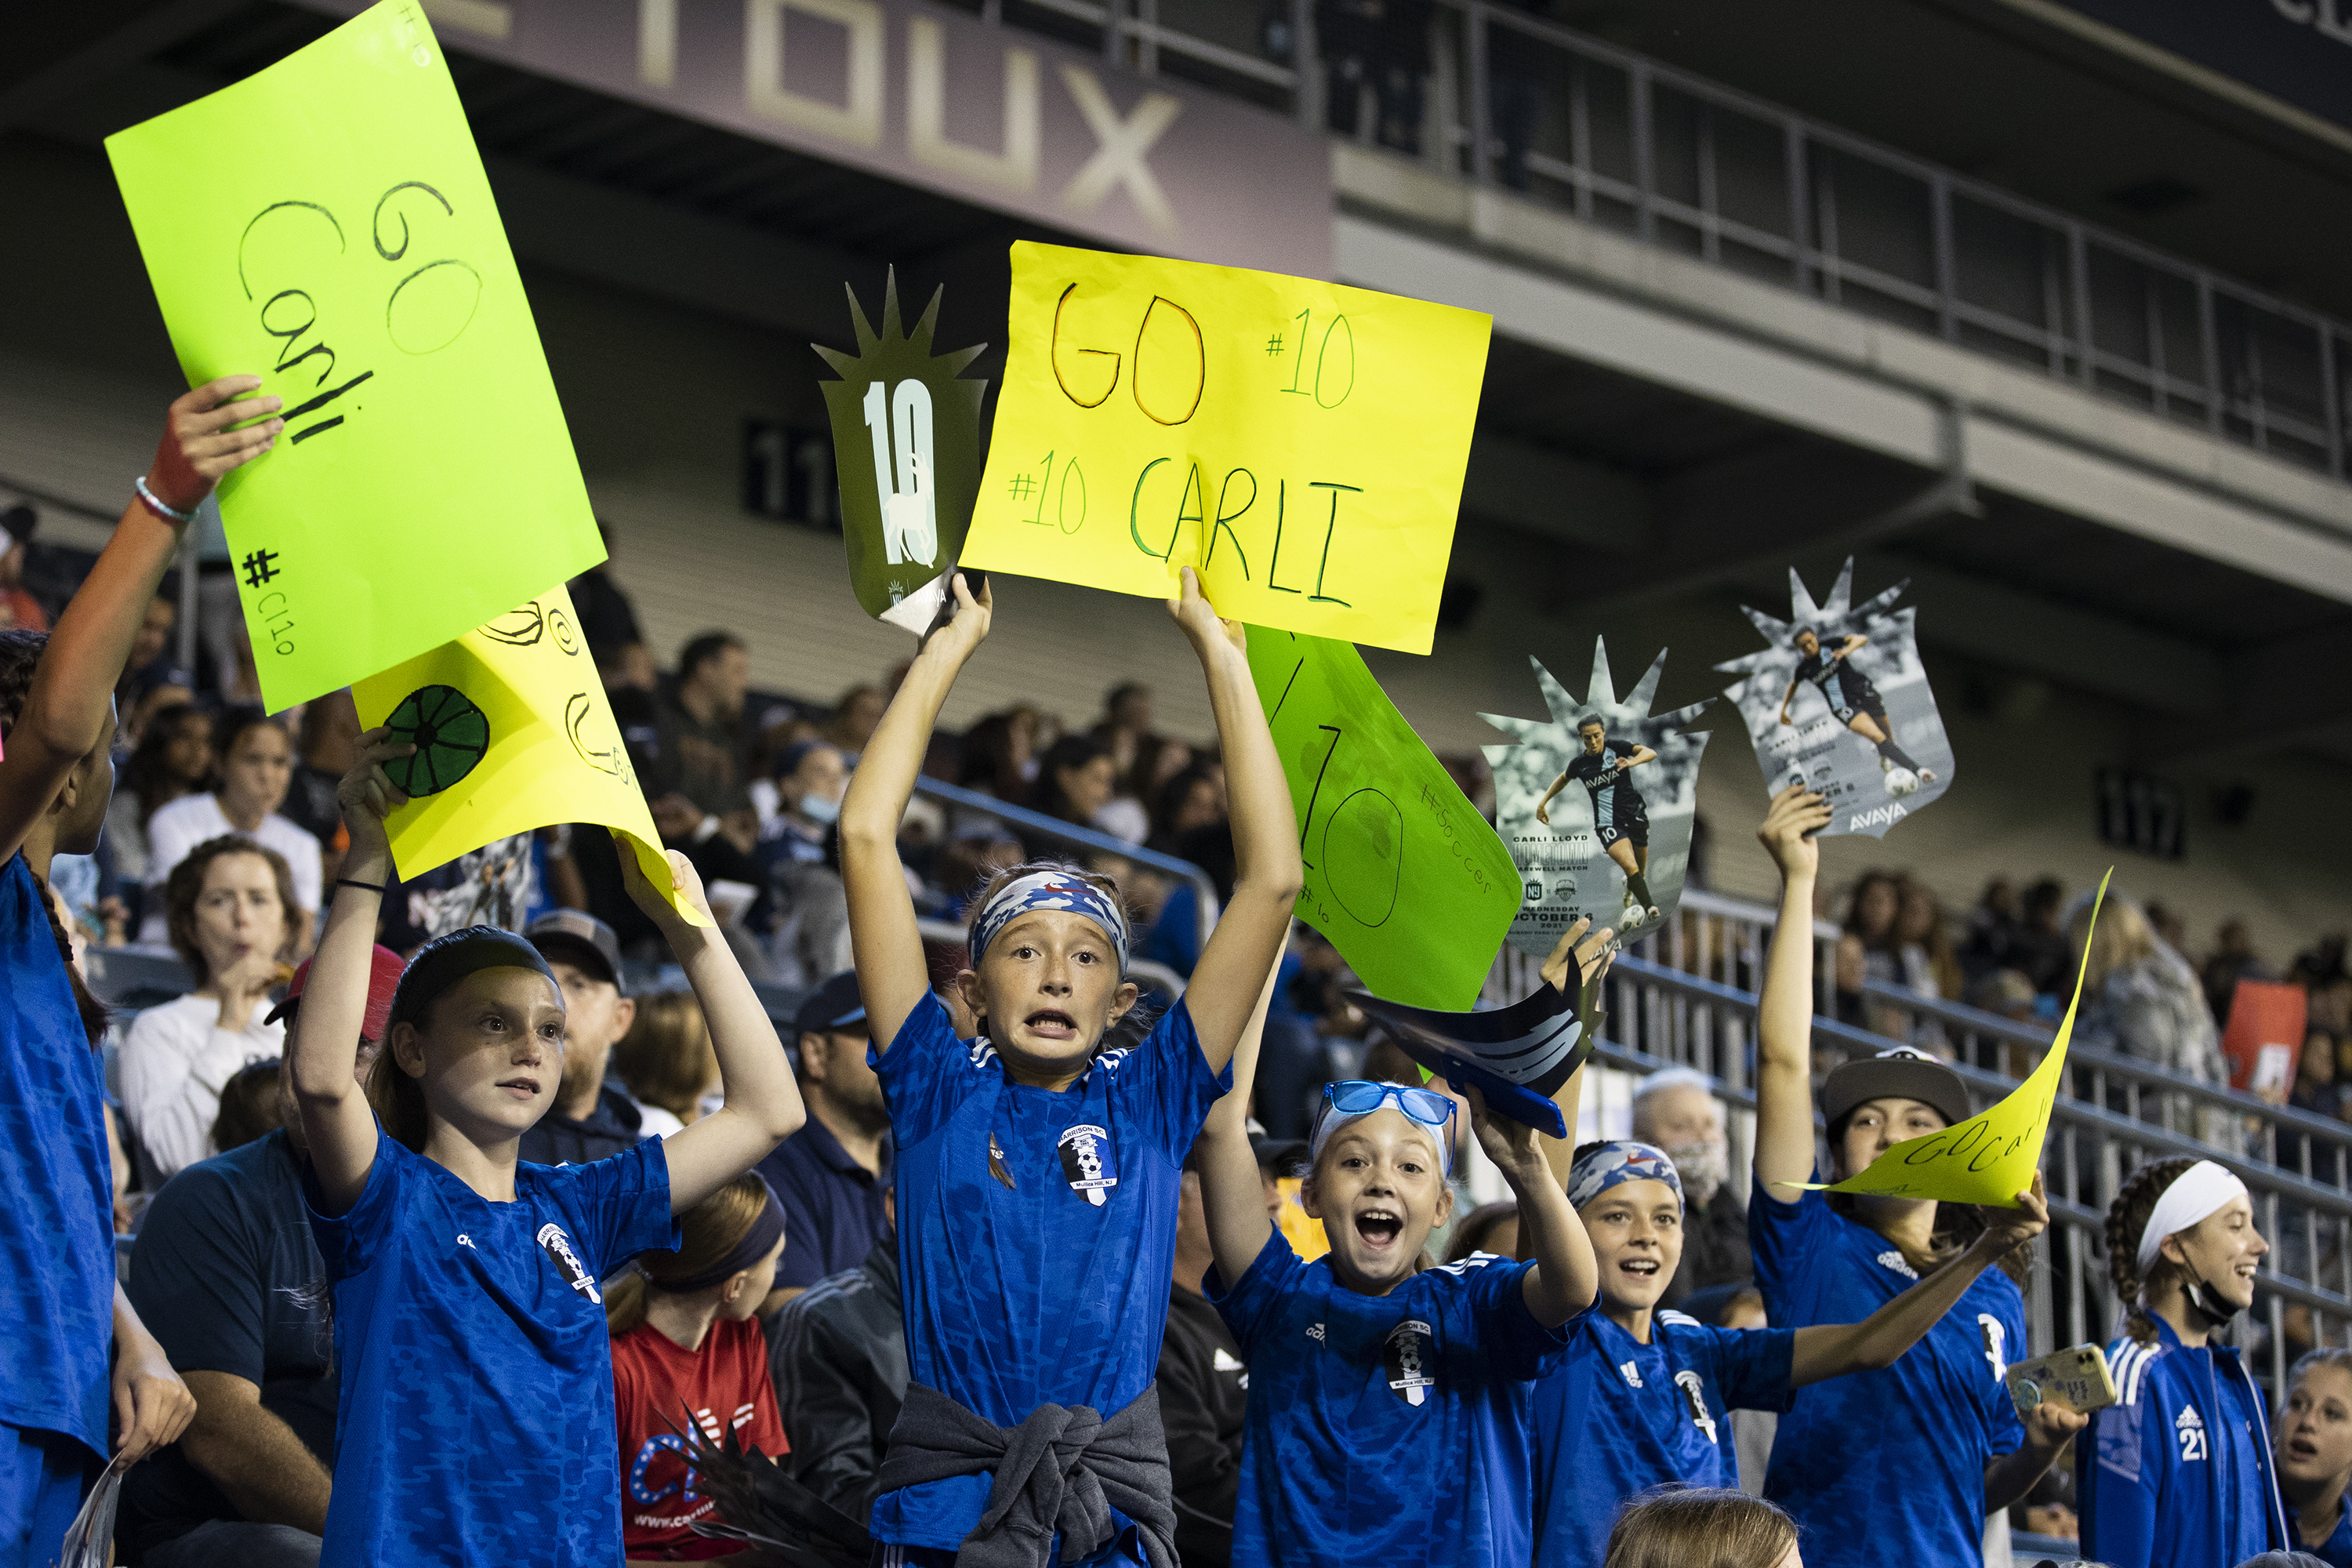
(1695, 1394)
(567, 1262)
(1996, 1344)
(1088, 1163)
(1894, 1260)
(1408, 1360)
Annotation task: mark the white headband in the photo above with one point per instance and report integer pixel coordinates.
(2196, 1196)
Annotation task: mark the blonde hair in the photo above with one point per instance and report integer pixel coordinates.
(1696, 1527)
(2124, 938)
(707, 1233)
(666, 1058)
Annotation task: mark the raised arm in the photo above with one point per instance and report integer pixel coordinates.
(1230, 1193)
(337, 1122)
(886, 946)
(65, 712)
(1566, 1276)
(1833, 1350)
(762, 1101)
(1267, 871)
(1574, 956)
(1784, 1013)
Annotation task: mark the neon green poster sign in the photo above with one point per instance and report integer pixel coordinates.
(326, 225)
(1402, 875)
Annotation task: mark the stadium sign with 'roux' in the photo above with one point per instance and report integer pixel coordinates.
(941, 100)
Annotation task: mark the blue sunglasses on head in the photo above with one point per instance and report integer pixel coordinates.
(1362, 1097)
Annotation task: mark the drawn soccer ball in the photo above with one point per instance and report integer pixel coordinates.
(1901, 782)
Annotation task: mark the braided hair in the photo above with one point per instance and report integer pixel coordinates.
(20, 656)
(2128, 1218)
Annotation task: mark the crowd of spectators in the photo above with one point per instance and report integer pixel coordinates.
(2147, 993)
(224, 828)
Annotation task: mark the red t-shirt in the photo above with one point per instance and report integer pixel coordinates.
(654, 1384)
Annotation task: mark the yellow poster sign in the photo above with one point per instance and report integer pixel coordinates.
(1991, 1157)
(325, 224)
(512, 733)
(1301, 445)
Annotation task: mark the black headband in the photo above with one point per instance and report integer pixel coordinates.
(756, 1244)
(445, 961)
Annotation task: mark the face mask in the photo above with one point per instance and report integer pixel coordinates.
(2208, 1304)
(1703, 1166)
(819, 808)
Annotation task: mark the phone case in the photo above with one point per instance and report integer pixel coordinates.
(2076, 1378)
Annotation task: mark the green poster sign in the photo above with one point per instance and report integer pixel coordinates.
(325, 224)
(1403, 875)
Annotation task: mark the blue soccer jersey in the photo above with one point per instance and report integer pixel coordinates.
(1619, 1417)
(1387, 1429)
(1903, 1449)
(2337, 1550)
(1036, 1233)
(57, 1195)
(2177, 1473)
(475, 1422)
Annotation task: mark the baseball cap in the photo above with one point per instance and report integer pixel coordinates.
(836, 1005)
(1282, 1153)
(384, 978)
(577, 937)
(1902, 1073)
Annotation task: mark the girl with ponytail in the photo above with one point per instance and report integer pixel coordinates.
(2178, 1473)
(686, 1347)
(68, 1320)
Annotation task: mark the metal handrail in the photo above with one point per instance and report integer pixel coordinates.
(2090, 1149)
(2234, 384)
(2326, 1129)
(1037, 824)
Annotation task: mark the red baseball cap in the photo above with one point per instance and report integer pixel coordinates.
(384, 978)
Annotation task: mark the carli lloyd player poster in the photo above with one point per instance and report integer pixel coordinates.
(1839, 702)
(1596, 805)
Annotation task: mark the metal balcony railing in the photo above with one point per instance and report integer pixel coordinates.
(1681, 997)
(1623, 142)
